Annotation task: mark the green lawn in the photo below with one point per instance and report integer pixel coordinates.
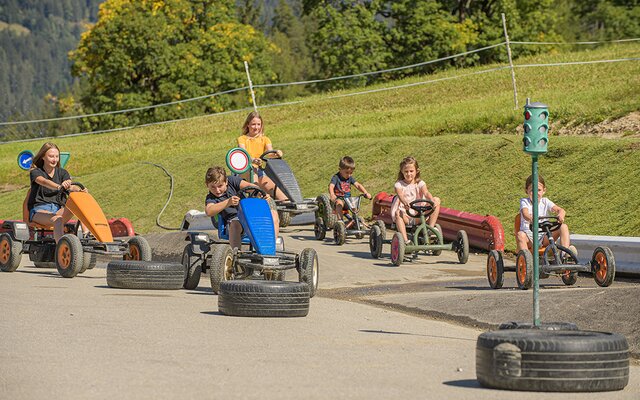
(464, 132)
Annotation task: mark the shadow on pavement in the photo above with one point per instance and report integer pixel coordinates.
(413, 334)
(464, 383)
(216, 313)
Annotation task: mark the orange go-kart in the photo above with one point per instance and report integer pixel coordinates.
(554, 259)
(77, 248)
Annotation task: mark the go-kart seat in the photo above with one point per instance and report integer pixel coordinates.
(516, 227)
(223, 233)
(25, 216)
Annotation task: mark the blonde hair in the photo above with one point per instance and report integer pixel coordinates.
(38, 159)
(250, 117)
(215, 174)
(407, 161)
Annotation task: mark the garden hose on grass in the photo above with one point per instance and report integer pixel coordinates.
(168, 198)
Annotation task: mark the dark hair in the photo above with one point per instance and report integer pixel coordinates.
(38, 159)
(215, 174)
(347, 162)
(250, 117)
(406, 161)
(529, 182)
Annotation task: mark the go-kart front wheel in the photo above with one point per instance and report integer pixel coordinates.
(69, 257)
(308, 269)
(462, 247)
(495, 269)
(339, 233)
(524, 269)
(603, 265)
(375, 241)
(319, 229)
(397, 249)
(9, 253)
(433, 239)
(139, 249)
(221, 265)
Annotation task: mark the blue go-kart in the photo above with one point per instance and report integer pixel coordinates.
(265, 258)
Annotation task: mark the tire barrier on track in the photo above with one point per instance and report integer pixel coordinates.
(626, 250)
(257, 298)
(484, 232)
(127, 274)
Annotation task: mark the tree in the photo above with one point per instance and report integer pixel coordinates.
(348, 40)
(145, 52)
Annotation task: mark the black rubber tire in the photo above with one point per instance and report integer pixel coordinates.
(221, 265)
(548, 326)
(603, 258)
(569, 278)
(552, 361)
(462, 247)
(69, 256)
(383, 228)
(285, 218)
(319, 230)
(141, 250)
(375, 241)
(524, 269)
(397, 256)
(339, 233)
(88, 261)
(10, 253)
(495, 269)
(325, 211)
(309, 269)
(192, 264)
(434, 240)
(255, 298)
(131, 274)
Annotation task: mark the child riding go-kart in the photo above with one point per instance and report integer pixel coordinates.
(554, 259)
(423, 237)
(76, 250)
(352, 224)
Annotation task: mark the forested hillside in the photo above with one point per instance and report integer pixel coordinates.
(35, 37)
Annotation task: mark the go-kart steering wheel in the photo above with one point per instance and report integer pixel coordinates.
(252, 191)
(421, 206)
(264, 155)
(63, 194)
(551, 222)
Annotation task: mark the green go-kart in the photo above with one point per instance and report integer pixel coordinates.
(424, 238)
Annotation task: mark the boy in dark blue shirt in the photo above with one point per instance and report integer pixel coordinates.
(340, 185)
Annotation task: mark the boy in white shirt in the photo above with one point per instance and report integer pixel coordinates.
(546, 207)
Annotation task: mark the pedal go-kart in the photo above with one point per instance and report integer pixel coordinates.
(351, 224)
(265, 258)
(279, 171)
(76, 250)
(423, 238)
(553, 259)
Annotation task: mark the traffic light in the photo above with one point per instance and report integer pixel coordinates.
(536, 127)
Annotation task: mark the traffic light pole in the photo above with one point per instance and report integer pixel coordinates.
(536, 266)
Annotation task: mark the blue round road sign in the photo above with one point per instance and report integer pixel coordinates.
(24, 159)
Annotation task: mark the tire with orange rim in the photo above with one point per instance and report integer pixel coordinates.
(69, 256)
(139, 249)
(397, 249)
(9, 253)
(524, 269)
(495, 269)
(603, 265)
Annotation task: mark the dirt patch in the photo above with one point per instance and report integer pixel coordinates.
(9, 187)
(627, 126)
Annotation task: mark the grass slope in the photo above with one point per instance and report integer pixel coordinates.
(464, 132)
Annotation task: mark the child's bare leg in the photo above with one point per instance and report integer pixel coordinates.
(401, 225)
(59, 219)
(339, 207)
(235, 234)
(522, 241)
(276, 222)
(268, 186)
(433, 218)
(563, 234)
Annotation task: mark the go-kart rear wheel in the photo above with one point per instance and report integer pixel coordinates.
(69, 257)
(339, 233)
(495, 269)
(397, 249)
(139, 249)
(325, 211)
(308, 269)
(193, 268)
(462, 247)
(375, 241)
(285, 218)
(257, 298)
(524, 269)
(603, 265)
(221, 265)
(319, 229)
(10, 250)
